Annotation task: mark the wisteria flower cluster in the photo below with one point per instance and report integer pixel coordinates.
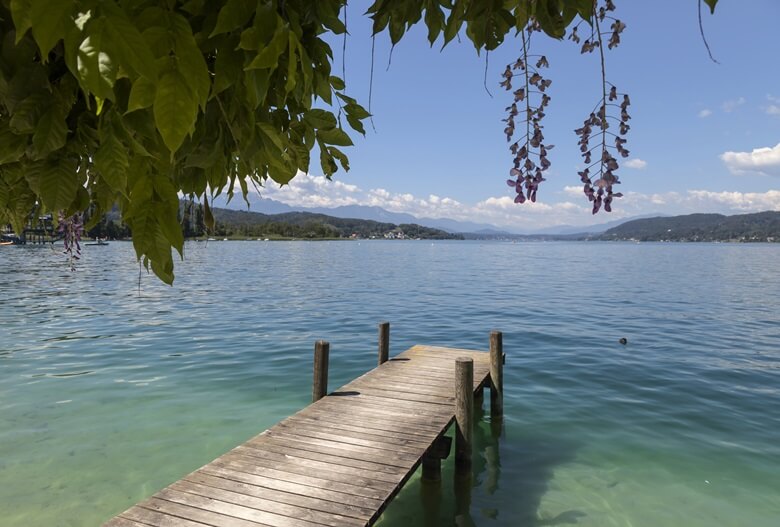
(71, 228)
(529, 151)
(598, 186)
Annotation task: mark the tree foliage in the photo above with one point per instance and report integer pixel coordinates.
(136, 102)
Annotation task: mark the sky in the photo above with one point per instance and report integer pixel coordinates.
(704, 137)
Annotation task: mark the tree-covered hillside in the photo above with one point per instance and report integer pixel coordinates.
(758, 227)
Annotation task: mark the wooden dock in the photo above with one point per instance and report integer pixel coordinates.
(339, 461)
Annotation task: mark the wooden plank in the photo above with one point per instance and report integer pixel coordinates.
(234, 462)
(400, 459)
(309, 465)
(390, 393)
(301, 451)
(189, 512)
(231, 510)
(377, 442)
(373, 411)
(264, 505)
(324, 473)
(409, 385)
(158, 519)
(411, 407)
(123, 522)
(364, 430)
(290, 487)
(309, 502)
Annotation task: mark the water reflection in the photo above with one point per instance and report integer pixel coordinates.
(471, 499)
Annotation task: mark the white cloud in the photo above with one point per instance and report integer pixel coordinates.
(761, 161)
(705, 113)
(773, 109)
(316, 191)
(731, 105)
(636, 163)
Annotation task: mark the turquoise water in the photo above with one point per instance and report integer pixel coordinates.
(108, 394)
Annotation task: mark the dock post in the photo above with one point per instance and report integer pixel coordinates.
(496, 375)
(464, 413)
(431, 468)
(384, 342)
(320, 385)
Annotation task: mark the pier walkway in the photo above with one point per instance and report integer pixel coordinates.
(339, 461)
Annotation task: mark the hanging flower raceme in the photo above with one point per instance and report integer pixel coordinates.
(71, 228)
(529, 151)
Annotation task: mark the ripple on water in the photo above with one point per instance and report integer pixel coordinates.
(107, 393)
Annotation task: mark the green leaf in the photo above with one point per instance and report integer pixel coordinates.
(434, 19)
(28, 112)
(228, 67)
(95, 68)
(337, 136)
(355, 124)
(112, 162)
(50, 134)
(20, 12)
(191, 62)
(208, 218)
(711, 4)
(337, 83)
(56, 182)
(12, 146)
(49, 18)
(141, 94)
(341, 156)
(356, 111)
(584, 8)
(320, 119)
(269, 55)
(292, 63)
(273, 135)
(131, 48)
(175, 108)
(234, 14)
(327, 163)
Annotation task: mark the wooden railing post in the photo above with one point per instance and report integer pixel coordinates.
(384, 342)
(320, 385)
(496, 375)
(464, 413)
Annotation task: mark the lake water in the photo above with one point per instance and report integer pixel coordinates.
(108, 394)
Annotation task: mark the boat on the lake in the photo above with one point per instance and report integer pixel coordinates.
(10, 239)
(98, 242)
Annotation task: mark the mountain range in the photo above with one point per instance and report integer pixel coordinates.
(373, 213)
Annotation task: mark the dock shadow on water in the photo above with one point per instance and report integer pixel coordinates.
(502, 489)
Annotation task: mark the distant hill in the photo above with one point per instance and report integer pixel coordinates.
(759, 227)
(364, 212)
(312, 225)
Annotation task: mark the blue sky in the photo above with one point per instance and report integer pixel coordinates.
(439, 147)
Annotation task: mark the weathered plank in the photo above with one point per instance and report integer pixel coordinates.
(337, 462)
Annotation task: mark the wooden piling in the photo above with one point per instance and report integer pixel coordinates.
(496, 375)
(384, 342)
(320, 385)
(464, 412)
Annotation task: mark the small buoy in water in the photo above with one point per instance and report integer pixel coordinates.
(623, 340)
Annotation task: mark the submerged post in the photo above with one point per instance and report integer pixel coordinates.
(464, 413)
(384, 342)
(320, 385)
(496, 374)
